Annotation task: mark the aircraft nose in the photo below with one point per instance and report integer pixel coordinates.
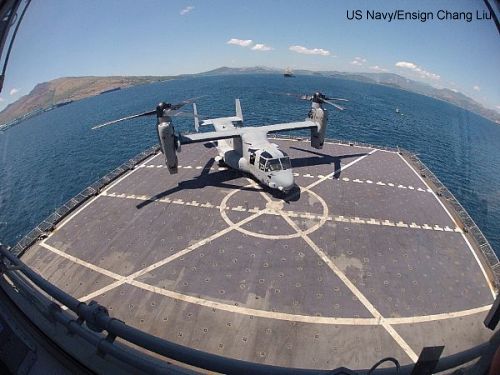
(284, 181)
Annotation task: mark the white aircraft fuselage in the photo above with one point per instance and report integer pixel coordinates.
(245, 148)
(254, 154)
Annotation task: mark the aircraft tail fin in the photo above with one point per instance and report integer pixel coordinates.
(239, 112)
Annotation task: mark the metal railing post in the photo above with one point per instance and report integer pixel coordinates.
(427, 360)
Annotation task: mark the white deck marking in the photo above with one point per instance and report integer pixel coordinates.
(172, 257)
(377, 320)
(275, 208)
(354, 290)
(255, 312)
(83, 263)
(492, 289)
(434, 317)
(342, 168)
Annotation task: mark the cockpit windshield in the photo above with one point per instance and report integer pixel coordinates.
(277, 164)
(273, 165)
(285, 163)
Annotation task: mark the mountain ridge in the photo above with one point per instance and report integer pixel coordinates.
(46, 95)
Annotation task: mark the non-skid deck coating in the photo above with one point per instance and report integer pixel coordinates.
(365, 263)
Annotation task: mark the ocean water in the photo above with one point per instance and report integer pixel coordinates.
(48, 159)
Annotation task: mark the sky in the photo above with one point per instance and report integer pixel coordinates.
(61, 38)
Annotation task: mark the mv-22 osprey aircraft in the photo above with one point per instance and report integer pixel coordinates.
(243, 148)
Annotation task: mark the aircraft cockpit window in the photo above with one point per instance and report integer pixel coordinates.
(262, 163)
(273, 165)
(285, 162)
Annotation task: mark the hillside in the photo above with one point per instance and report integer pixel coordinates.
(387, 79)
(47, 94)
(447, 95)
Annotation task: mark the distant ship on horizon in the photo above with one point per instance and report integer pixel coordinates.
(288, 73)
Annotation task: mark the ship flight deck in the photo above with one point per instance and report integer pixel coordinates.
(365, 262)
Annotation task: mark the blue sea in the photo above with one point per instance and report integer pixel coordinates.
(46, 160)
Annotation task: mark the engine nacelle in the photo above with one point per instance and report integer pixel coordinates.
(319, 116)
(168, 144)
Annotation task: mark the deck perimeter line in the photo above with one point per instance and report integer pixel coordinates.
(442, 316)
(456, 224)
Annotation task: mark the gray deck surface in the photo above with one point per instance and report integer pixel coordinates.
(365, 263)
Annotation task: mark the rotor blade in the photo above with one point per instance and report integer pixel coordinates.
(184, 102)
(292, 94)
(340, 99)
(149, 113)
(187, 114)
(335, 105)
(295, 95)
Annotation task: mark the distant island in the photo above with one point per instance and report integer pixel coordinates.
(62, 91)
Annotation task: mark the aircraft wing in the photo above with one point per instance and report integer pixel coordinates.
(234, 133)
(211, 136)
(288, 126)
(221, 120)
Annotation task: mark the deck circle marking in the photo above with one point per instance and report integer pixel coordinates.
(274, 207)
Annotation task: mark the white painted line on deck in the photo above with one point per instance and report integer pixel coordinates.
(403, 344)
(83, 263)
(250, 311)
(305, 215)
(354, 290)
(254, 312)
(434, 317)
(306, 175)
(338, 170)
(173, 257)
(490, 285)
